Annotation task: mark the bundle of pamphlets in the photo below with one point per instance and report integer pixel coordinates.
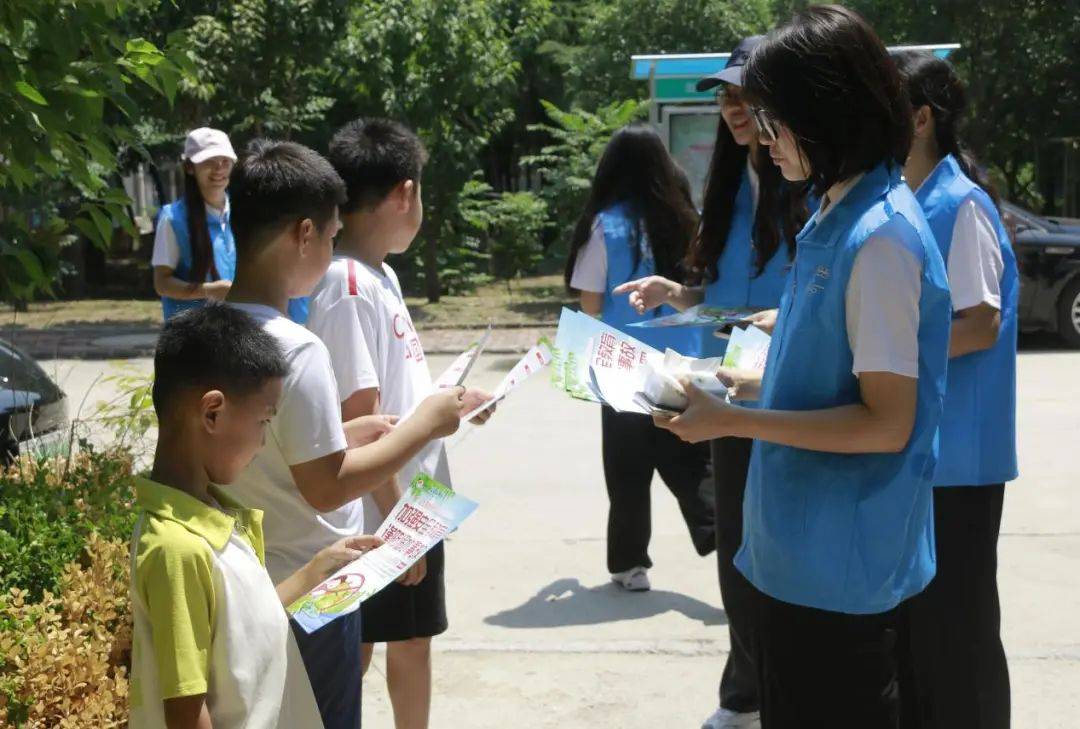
(594, 361)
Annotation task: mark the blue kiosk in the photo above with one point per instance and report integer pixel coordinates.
(685, 117)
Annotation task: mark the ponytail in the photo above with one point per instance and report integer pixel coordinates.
(202, 253)
(932, 82)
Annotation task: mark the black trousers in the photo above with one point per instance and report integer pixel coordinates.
(633, 448)
(730, 463)
(332, 658)
(954, 672)
(826, 670)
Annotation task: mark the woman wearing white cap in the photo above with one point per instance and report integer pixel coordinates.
(194, 254)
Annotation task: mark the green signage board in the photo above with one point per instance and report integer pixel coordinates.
(680, 89)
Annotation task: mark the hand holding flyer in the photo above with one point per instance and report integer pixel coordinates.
(424, 516)
(459, 369)
(701, 315)
(536, 359)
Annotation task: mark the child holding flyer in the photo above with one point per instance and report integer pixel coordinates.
(638, 221)
(212, 645)
(308, 480)
(359, 313)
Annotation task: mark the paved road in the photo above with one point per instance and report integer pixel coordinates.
(538, 637)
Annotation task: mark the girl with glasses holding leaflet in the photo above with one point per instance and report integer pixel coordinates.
(958, 672)
(837, 529)
(739, 259)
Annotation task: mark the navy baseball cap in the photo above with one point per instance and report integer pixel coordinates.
(732, 72)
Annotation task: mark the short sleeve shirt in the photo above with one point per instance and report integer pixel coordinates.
(360, 314)
(975, 264)
(166, 250)
(882, 301)
(590, 268)
(207, 617)
(307, 427)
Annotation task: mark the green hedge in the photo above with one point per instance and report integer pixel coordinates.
(48, 510)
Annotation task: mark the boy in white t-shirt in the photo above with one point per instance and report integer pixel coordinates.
(212, 645)
(359, 313)
(308, 478)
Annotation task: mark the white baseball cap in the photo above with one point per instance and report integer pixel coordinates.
(203, 143)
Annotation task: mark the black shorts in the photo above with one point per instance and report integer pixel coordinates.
(401, 613)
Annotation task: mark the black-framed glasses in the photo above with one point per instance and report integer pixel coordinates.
(765, 123)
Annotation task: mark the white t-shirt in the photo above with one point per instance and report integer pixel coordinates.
(882, 300)
(307, 426)
(360, 314)
(975, 265)
(886, 282)
(167, 250)
(590, 268)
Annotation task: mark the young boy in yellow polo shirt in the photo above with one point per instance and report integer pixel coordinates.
(212, 646)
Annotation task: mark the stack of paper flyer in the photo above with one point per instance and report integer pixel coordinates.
(596, 362)
(747, 349)
(578, 335)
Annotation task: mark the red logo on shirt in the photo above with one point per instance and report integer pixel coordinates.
(403, 329)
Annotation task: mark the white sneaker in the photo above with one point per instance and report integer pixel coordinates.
(633, 580)
(728, 719)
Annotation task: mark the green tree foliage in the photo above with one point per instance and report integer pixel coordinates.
(1021, 61)
(84, 84)
(614, 30)
(447, 68)
(265, 67)
(70, 85)
(567, 164)
(510, 226)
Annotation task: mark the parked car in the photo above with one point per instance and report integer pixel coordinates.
(33, 410)
(1048, 255)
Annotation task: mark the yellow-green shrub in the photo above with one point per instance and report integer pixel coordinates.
(65, 624)
(64, 660)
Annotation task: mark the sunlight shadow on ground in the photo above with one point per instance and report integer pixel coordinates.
(567, 602)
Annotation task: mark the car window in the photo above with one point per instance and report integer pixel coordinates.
(17, 372)
(1020, 219)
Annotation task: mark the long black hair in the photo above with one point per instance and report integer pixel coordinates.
(780, 213)
(827, 76)
(202, 250)
(637, 169)
(932, 81)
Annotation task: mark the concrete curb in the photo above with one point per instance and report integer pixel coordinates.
(110, 342)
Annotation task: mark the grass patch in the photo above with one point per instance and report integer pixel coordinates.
(49, 314)
(531, 301)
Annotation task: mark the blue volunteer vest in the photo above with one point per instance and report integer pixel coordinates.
(737, 284)
(298, 309)
(224, 249)
(621, 239)
(978, 427)
(221, 242)
(846, 533)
